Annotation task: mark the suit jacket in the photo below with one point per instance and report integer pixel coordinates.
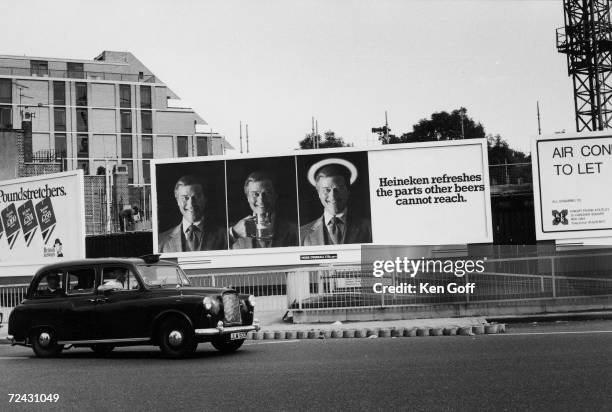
(285, 234)
(358, 230)
(173, 240)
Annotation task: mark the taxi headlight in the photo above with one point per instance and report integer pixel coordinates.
(208, 303)
(251, 300)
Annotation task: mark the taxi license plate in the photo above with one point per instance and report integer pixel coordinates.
(238, 335)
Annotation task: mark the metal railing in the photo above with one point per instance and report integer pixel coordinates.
(510, 174)
(76, 74)
(341, 287)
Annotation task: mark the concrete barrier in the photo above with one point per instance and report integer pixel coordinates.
(465, 331)
(436, 332)
(409, 333)
(422, 332)
(450, 331)
(478, 330)
(397, 332)
(348, 333)
(361, 333)
(384, 333)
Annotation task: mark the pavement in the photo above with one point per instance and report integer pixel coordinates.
(557, 366)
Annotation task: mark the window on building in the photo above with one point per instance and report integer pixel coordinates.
(83, 165)
(147, 121)
(146, 171)
(81, 115)
(126, 146)
(75, 70)
(125, 95)
(182, 149)
(130, 169)
(61, 149)
(202, 146)
(6, 117)
(145, 97)
(126, 121)
(6, 91)
(81, 94)
(147, 147)
(61, 146)
(82, 145)
(59, 118)
(59, 93)
(39, 67)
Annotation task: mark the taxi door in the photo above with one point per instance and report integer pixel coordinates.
(121, 310)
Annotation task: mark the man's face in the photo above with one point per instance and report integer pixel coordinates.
(191, 202)
(333, 192)
(261, 196)
(52, 282)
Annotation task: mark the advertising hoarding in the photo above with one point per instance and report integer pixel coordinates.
(320, 206)
(42, 220)
(572, 176)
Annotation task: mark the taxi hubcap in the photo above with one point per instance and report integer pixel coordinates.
(44, 339)
(175, 338)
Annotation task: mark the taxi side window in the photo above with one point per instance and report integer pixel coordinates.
(81, 280)
(51, 284)
(119, 278)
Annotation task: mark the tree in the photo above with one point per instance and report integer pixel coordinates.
(500, 152)
(457, 125)
(329, 139)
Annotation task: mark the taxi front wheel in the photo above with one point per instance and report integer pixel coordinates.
(176, 339)
(44, 343)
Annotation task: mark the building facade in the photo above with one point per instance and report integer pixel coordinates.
(98, 113)
(95, 115)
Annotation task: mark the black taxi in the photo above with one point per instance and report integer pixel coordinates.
(110, 302)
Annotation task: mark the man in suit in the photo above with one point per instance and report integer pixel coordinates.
(260, 191)
(194, 232)
(53, 285)
(338, 225)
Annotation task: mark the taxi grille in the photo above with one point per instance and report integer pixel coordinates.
(231, 309)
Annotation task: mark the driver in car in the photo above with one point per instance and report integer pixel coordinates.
(119, 280)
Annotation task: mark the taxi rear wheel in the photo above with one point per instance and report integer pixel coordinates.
(227, 346)
(102, 349)
(44, 343)
(176, 339)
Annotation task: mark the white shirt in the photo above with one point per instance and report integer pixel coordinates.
(342, 217)
(187, 225)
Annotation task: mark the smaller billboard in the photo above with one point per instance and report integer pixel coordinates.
(42, 219)
(572, 178)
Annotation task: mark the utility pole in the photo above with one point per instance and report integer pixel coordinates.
(383, 132)
(538, 109)
(317, 133)
(314, 144)
(241, 137)
(462, 113)
(247, 137)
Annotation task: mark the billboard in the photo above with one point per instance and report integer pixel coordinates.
(42, 219)
(319, 205)
(572, 178)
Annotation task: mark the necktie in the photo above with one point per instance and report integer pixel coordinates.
(335, 230)
(192, 238)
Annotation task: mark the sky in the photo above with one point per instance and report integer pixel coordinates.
(275, 64)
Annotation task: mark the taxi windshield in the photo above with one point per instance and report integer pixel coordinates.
(163, 275)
